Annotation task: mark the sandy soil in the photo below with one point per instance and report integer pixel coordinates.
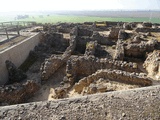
(47, 89)
(103, 86)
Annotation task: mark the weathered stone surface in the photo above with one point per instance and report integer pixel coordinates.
(122, 35)
(147, 29)
(102, 40)
(152, 64)
(79, 67)
(114, 33)
(84, 66)
(119, 52)
(113, 75)
(91, 48)
(90, 70)
(15, 74)
(80, 31)
(74, 31)
(139, 50)
(129, 26)
(147, 24)
(52, 64)
(137, 39)
(54, 40)
(18, 93)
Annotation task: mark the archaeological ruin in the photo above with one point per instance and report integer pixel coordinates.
(76, 61)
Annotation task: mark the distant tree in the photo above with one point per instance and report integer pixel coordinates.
(22, 16)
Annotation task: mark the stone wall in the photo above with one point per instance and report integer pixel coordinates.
(84, 66)
(84, 32)
(102, 40)
(139, 50)
(114, 31)
(79, 67)
(152, 64)
(147, 29)
(81, 31)
(113, 75)
(17, 54)
(119, 52)
(53, 63)
(17, 93)
(54, 40)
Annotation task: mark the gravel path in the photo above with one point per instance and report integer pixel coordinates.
(137, 104)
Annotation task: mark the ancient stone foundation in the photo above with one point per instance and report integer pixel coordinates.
(18, 92)
(77, 59)
(139, 50)
(53, 63)
(84, 66)
(152, 64)
(113, 75)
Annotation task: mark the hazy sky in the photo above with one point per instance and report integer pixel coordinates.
(37, 5)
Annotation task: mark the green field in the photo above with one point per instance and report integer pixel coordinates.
(77, 19)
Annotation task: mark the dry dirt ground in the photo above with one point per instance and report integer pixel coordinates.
(138, 104)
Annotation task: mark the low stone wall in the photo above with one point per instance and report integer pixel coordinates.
(136, 104)
(113, 34)
(139, 50)
(147, 30)
(81, 67)
(84, 66)
(113, 75)
(18, 93)
(17, 54)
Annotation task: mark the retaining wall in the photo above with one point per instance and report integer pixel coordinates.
(17, 54)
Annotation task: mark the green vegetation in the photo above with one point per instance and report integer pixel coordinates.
(79, 19)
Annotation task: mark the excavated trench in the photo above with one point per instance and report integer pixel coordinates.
(57, 69)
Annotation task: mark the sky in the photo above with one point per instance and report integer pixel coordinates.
(56, 5)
